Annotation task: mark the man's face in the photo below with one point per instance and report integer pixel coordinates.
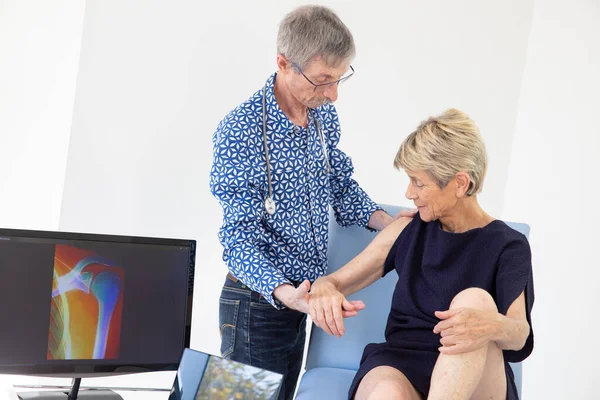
(324, 86)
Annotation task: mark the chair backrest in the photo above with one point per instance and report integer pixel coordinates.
(369, 325)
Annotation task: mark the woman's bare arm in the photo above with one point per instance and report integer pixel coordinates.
(327, 295)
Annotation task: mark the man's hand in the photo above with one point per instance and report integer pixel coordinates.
(294, 298)
(466, 329)
(406, 213)
(380, 219)
(328, 307)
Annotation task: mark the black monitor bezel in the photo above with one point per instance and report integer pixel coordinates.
(76, 368)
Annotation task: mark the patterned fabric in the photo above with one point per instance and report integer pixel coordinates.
(263, 250)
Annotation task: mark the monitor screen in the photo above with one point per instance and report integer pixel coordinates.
(86, 305)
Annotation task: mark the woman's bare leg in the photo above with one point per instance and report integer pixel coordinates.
(478, 374)
(386, 383)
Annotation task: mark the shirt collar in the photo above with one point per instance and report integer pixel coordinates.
(273, 109)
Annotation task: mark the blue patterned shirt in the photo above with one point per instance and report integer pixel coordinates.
(263, 250)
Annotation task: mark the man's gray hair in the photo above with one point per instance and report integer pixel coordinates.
(310, 31)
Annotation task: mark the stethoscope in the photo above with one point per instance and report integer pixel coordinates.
(270, 205)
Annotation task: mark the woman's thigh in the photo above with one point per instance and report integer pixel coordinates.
(386, 383)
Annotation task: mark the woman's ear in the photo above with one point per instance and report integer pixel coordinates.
(463, 182)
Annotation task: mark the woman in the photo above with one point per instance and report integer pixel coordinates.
(461, 308)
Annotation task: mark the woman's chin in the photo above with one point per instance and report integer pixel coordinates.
(424, 215)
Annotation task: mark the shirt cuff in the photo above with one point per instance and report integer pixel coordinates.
(267, 293)
(374, 207)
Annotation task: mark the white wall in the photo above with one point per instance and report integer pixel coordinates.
(39, 57)
(553, 185)
(416, 59)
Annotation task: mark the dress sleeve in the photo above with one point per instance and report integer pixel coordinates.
(515, 275)
(408, 233)
(390, 260)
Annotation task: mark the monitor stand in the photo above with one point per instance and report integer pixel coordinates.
(73, 394)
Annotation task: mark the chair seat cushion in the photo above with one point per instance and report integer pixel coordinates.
(324, 383)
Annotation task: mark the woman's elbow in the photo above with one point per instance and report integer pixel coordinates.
(518, 339)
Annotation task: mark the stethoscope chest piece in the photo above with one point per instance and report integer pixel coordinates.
(270, 205)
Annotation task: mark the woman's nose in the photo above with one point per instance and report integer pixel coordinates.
(410, 193)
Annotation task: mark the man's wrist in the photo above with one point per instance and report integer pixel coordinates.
(379, 220)
(283, 292)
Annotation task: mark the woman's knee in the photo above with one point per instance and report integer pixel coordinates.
(476, 298)
(387, 389)
(386, 383)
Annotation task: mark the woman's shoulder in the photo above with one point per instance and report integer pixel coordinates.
(409, 232)
(509, 232)
(508, 238)
(416, 224)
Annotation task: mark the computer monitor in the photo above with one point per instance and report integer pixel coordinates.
(206, 377)
(79, 305)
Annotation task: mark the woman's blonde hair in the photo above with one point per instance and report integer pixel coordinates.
(443, 146)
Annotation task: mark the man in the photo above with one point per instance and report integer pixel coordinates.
(276, 171)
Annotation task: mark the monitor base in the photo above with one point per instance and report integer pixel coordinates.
(59, 395)
(73, 394)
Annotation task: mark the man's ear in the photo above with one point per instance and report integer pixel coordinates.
(463, 182)
(283, 64)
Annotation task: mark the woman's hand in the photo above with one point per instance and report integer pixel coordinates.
(328, 306)
(466, 329)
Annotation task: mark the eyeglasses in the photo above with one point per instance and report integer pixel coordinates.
(323, 85)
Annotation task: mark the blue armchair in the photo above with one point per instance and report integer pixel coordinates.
(331, 362)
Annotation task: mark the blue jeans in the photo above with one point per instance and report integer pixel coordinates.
(255, 333)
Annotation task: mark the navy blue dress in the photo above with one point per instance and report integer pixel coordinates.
(433, 266)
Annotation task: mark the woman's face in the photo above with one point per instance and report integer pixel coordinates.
(432, 201)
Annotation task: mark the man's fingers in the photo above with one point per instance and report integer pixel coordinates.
(304, 288)
(301, 297)
(406, 213)
(348, 314)
(311, 311)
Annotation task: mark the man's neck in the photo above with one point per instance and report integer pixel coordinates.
(292, 108)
